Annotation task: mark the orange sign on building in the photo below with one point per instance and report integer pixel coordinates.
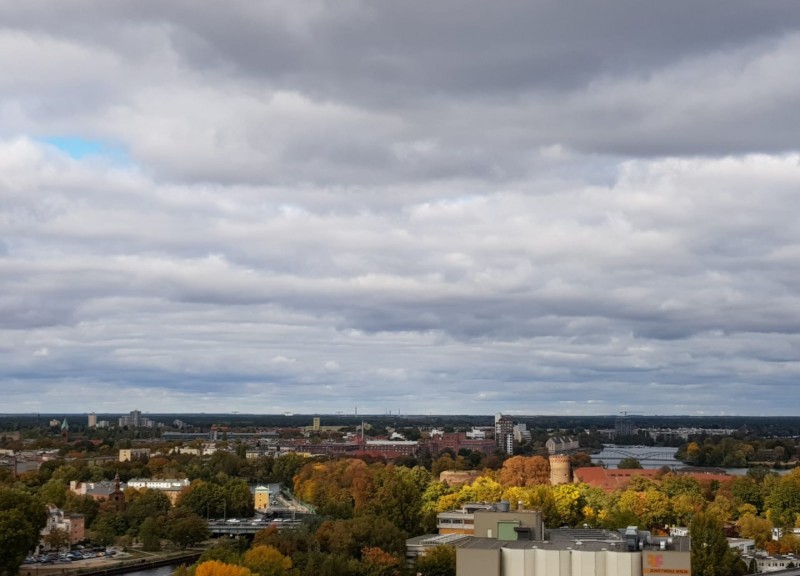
(666, 562)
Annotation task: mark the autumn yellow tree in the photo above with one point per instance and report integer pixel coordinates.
(790, 544)
(721, 507)
(216, 568)
(595, 506)
(267, 561)
(759, 529)
(650, 507)
(782, 499)
(483, 489)
(684, 507)
(569, 502)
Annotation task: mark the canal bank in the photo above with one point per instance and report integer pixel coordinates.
(112, 567)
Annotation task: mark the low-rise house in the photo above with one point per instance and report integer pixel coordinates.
(743, 545)
(172, 488)
(559, 444)
(131, 454)
(264, 496)
(772, 562)
(460, 521)
(102, 490)
(71, 524)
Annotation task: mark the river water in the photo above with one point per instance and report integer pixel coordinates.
(651, 457)
(161, 571)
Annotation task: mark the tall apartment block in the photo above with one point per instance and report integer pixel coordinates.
(504, 433)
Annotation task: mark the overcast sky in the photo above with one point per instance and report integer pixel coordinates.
(445, 206)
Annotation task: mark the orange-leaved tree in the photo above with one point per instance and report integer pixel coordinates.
(216, 568)
(524, 471)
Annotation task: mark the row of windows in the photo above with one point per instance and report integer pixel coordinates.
(452, 521)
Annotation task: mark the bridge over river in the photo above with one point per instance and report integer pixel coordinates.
(250, 527)
(648, 456)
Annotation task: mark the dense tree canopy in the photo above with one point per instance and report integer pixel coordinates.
(524, 471)
(267, 561)
(366, 508)
(440, 561)
(711, 555)
(22, 517)
(782, 500)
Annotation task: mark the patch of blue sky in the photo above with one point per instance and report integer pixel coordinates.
(80, 148)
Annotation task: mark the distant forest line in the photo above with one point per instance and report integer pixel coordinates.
(762, 425)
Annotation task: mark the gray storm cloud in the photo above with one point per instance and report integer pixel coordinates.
(447, 207)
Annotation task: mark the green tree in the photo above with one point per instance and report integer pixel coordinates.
(782, 499)
(580, 460)
(677, 484)
(397, 497)
(57, 539)
(150, 535)
(85, 505)
(711, 555)
(228, 551)
(221, 462)
(285, 468)
(238, 498)
(629, 463)
(439, 561)
(53, 492)
(319, 564)
(293, 542)
(350, 536)
(108, 526)
(205, 499)
(143, 504)
(185, 528)
(746, 490)
(21, 520)
(759, 473)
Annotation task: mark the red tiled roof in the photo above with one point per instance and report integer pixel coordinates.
(610, 479)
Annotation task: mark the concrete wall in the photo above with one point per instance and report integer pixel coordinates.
(487, 520)
(542, 562)
(477, 562)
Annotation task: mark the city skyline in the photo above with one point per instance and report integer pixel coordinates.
(447, 208)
